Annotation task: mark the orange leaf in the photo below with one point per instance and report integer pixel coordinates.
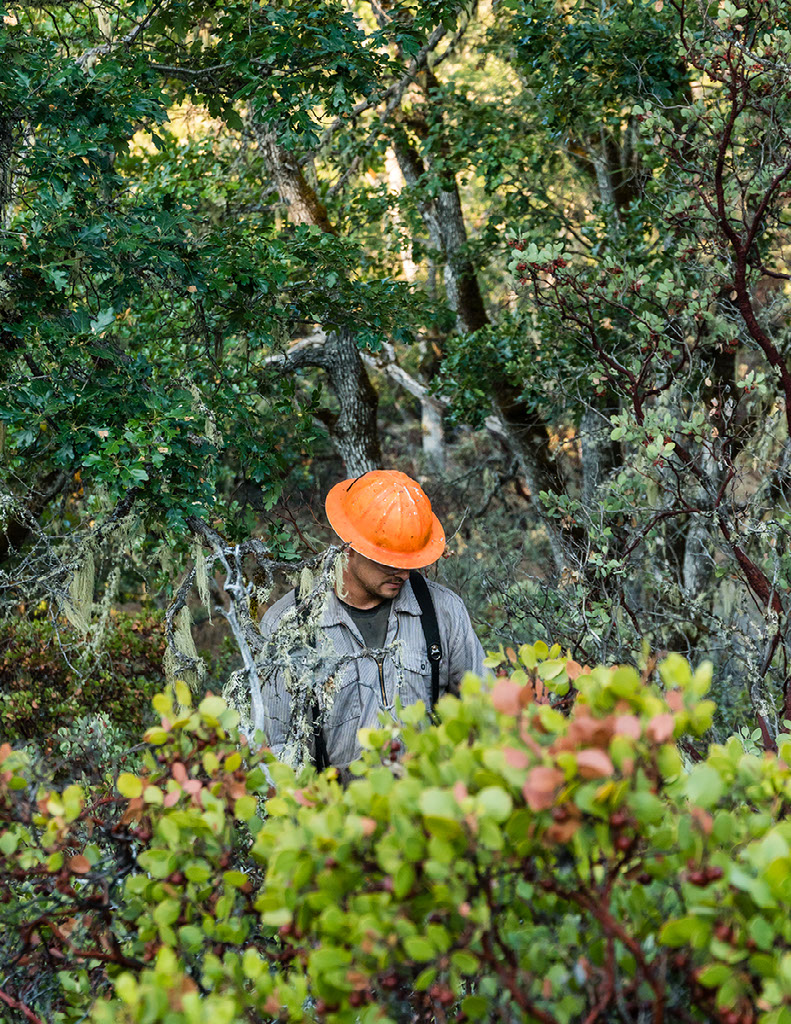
(562, 831)
(573, 669)
(541, 786)
(594, 764)
(460, 792)
(628, 725)
(505, 696)
(515, 757)
(79, 865)
(660, 728)
(585, 730)
(703, 818)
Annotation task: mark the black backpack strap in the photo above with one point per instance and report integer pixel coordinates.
(428, 620)
(320, 757)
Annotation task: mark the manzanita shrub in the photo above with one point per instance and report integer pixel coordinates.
(43, 688)
(516, 861)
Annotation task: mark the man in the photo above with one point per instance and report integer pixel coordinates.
(371, 626)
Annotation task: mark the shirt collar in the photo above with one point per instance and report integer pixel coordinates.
(334, 612)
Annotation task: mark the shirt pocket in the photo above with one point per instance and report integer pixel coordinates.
(346, 701)
(343, 720)
(415, 681)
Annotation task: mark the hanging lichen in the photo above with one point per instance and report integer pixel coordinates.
(165, 558)
(202, 576)
(338, 567)
(305, 583)
(79, 605)
(236, 694)
(104, 607)
(213, 435)
(181, 659)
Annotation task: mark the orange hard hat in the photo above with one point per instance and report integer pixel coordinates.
(386, 516)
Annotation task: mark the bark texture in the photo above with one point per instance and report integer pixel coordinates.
(304, 206)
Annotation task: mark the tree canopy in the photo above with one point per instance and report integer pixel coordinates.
(238, 238)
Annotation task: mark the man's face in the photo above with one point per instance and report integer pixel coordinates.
(362, 576)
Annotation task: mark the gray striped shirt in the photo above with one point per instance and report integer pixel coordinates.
(361, 685)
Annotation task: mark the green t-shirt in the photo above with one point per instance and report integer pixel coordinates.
(372, 622)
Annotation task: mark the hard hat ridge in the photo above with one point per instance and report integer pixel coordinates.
(386, 516)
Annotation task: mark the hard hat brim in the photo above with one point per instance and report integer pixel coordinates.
(350, 535)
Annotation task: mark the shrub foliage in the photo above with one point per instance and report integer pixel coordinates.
(516, 863)
(42, 690)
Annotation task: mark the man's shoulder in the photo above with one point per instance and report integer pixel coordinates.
(275, 613)
(443, 597)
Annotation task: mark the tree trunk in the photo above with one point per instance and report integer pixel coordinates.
(304, 206)
(354, 429)
(433, 435)
(6, 171)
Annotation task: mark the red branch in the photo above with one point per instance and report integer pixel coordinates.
(609, 984)
(612, 927)
(15, 1004)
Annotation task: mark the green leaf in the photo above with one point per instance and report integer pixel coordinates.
(495, 802)
(704, 785)
(130, 785)
(8, 843)
(438, 803)
(419, 948)
(714, 974)
(245, 808)
(425, 978)
(685, 931)
(236, 879)
(464, 962)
